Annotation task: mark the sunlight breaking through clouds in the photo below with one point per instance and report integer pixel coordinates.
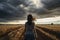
(34, 3)
(37, 3)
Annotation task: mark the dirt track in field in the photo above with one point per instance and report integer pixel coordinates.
(42, 34)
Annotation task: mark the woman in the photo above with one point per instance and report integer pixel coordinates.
(29, 28)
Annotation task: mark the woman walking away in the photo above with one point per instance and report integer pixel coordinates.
(29, 28)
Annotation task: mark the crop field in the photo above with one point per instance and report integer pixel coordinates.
(16, 32)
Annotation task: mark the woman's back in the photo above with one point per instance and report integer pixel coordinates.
(29, 27)
(29, 31)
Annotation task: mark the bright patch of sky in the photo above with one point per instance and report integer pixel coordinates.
(55, 20)
(37, 3)
(34, 3)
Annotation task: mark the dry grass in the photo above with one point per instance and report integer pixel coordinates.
(16, 32)
(55, 27)
(11, 31)
(53, 31)
(7, 27)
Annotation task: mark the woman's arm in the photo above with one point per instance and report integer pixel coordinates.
(35, 32)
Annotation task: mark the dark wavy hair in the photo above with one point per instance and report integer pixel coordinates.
(30, 18)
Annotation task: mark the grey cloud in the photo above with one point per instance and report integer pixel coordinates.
(3, 1)
(15, 2)
(41, 11)
(51, 4)
(51, 13)
(46, 10)
(3, 20)
(55, 11)
(18, 2)
(10, 9)
(9, 12)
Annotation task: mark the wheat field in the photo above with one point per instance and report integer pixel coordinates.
(16, 32)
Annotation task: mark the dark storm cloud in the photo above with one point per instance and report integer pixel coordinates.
(3, 20)
(40, 11)
(3, 1)
(9, 12)
(48, 6)
(51, 4)
(51, 13)
(17, 2)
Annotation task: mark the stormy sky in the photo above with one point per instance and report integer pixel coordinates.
(11, 10)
